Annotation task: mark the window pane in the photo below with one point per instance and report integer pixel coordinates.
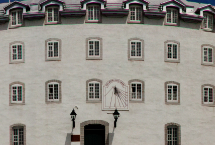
(96, 90)
(133, 48)
(210, 95)
(19, 17)
(49, 14)
(19, 51)
(205, 94)
(139, 90)
(96, 47)
(55, 49)
(209, 55)
(55, 14)
(175, 92)
(19, 93)
(169, 52)
(138, 48)
(169, 92)
(168, 20)
(55, 91)
(13, 18)
(175, 16)
(174, 51)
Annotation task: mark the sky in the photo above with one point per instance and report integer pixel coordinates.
(199, 1)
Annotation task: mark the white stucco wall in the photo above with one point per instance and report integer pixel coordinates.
(49, 124)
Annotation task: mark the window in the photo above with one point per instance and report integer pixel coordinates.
(16, 50)
(94, 90)
(135, 49)
(172, 92)
(53, 91)
(16, 18)
(93, 13)
(94, 48)
(171, 50)
(208, 94)
(135, 14)
(172, 134)
(136, 90)
(171, 16)
(53, 49)
(207, 22)
(207, 54)
(18, 134)
(17, 93)
(52, 15)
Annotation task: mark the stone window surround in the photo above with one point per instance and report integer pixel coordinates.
(11, 132)
(46, 49)
(10, 22)
(46, 91)
(100, 49)
(166, 93)
(143, 92)
(101, 122)
(23, 93)
(129, 14)
(46, 16)
(207, 13)
(213, 56)
(129, 49)
(202, 96)
(165, 19)
(10, 52)
(166, 48)
(100, 15)
(179, 132)
(100, 91)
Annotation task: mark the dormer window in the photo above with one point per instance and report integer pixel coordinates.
(93, 13)
(16, 18)
(207, 22)
(171, 16)
(135, 14)
(52, 15)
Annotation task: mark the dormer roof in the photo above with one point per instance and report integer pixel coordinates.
(44, 2)
(205, 7)
(140, 1)
(177, 2)
(15, 3)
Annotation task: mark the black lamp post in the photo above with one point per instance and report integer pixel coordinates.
(73, 116)
(116, 115)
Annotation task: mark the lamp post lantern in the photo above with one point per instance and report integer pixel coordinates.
(73, 116)
(116, 115)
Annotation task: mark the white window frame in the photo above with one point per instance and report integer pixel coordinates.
(93, 45)
(48, 93)
(141, 49)
(95, 8)
(141, 95)
(207, 50)
(18, 135)
(16, 93)
(172, 51)
(52, 14)
(89, 87)
(17, 18)
(203, 95)
(17, 52)
(53, 49)
(207, 21)
(172, 134)
(172, 94)
(172, 18)
(135, 11)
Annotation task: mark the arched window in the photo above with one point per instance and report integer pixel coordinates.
(172, 92)
(93, 90)
(136, 90)
(17, 93)
(18, 134)
(207, 54)
(171, 51)
(53, 91)
(172, 134)
(53, 49)
(17, 52)
(208, 95)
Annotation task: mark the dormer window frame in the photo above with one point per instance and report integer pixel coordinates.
(16, 13)
(172, 19)
(135, 11)
(94, 6)
(53, 16)
(208, 17)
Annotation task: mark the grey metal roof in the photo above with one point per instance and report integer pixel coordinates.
(151, 2)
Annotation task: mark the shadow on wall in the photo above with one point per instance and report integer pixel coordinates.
(68, 139)
(110, 136)
(34, 22)
(153, 21)
(190, 25)
(72, 20)
(3, 26)
(114, 20)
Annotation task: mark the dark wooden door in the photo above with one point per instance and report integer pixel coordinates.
(94, 134)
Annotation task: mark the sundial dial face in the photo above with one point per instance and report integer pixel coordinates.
(115, 95)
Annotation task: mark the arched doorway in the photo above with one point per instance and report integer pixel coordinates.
(94, 134)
